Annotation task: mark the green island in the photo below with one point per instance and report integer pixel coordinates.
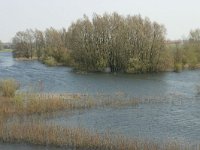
(110, 43)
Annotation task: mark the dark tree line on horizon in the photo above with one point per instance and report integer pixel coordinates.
(129, 44)
(1, 45)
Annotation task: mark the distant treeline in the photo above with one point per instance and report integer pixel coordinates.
(1, 45)
(49, 46)
(110, 42)
(5, 45)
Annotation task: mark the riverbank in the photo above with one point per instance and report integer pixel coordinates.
(26, 59)
(6, 50)
(52, 63)
(48, 61)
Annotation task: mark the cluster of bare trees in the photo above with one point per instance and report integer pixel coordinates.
(121, 44)
(194, 45)
(48, 44)
(187, 53)
(127, 44)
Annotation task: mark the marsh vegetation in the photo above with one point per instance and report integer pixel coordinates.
(32, 130)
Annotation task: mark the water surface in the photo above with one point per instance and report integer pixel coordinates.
(176, 117)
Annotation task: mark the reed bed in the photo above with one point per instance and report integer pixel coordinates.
(40, 133)
(8, 87)
(29, 104)
(75, 138)
(16, 103)
(34, 131)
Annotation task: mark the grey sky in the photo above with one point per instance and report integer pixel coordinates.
(178, 16)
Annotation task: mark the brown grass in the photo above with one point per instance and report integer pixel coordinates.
(8, 87)
(75, 138)
(29, 104)
(34, 131)
(38, 133)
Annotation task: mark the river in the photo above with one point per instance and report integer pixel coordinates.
(177, 117)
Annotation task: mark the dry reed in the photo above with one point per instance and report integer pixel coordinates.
(74, 138)
(8, 87)
(28, 104)
(39, 133)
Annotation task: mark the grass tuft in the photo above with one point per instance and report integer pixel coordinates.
(178, 67)
(8, 87)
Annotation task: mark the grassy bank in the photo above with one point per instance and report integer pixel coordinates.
(26, 59)
(51, 62)
(6, 50)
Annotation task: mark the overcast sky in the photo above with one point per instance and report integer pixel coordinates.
(178, 16)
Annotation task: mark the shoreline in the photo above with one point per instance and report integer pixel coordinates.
(5, 50)
(25, 59)
(79, 71)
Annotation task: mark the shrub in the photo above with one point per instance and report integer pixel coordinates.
(50, 61)
(178, 67)
(66, 59)
(8, 87)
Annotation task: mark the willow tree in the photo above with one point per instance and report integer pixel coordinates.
(24, 44)
(56, 46)
(20, 45)
(191, 51)
(48, 44)
(39, 43)
(122, 44)
(81, 43)
(127, 44)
